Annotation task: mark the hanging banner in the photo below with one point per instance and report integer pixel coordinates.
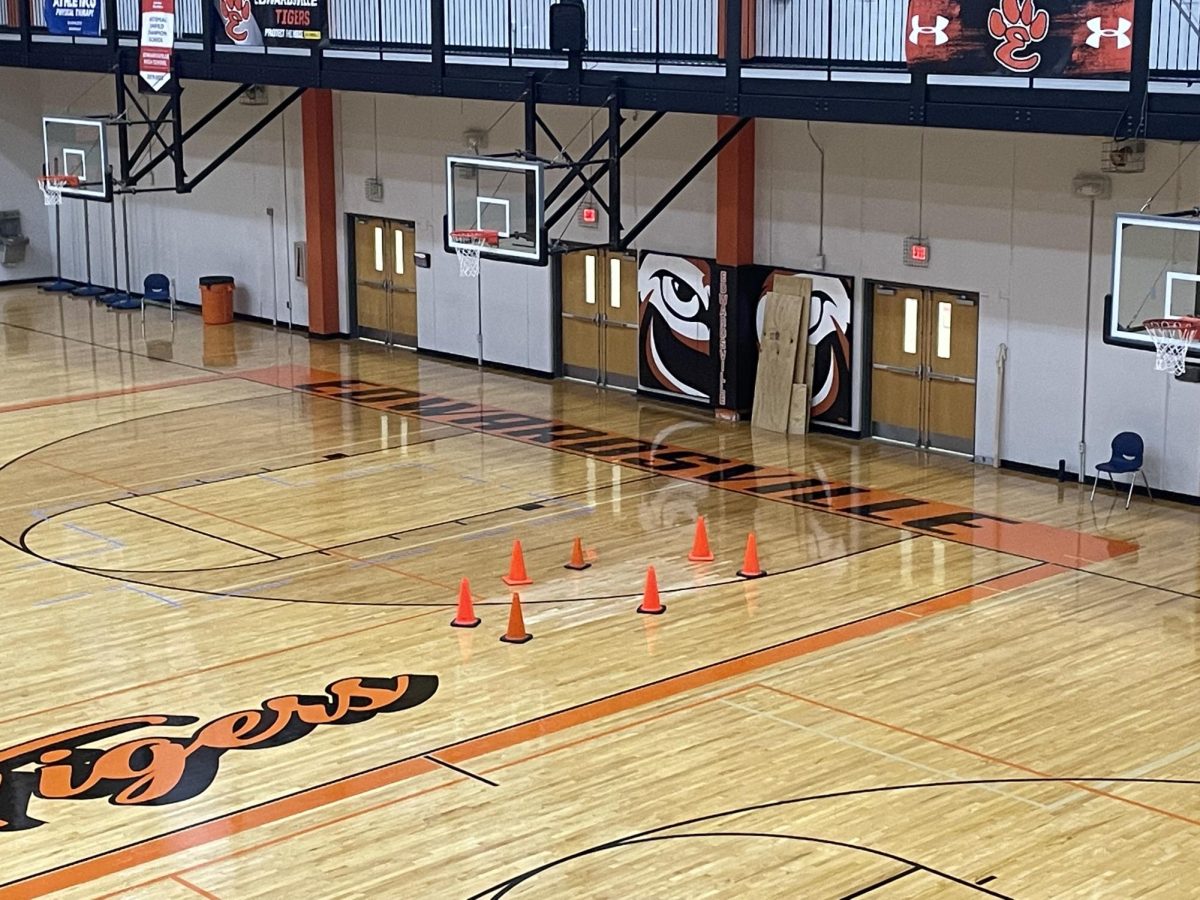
(1043, 38)
(158, 42)
(270, 23)
(78, 18)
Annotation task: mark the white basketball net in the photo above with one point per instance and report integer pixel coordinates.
(1172, 337)
(468, 247)
(52, 191)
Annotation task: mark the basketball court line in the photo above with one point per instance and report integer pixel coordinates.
(113, 392)
(120, 859)
(951, 745)
(1029, 540)
(193, 888)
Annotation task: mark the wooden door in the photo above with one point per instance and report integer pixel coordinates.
(580, 291)
(371, 276)
(619, 320)
(896, 369)
(403, 283)
(924, 367)
(385, 281)
(951, 367)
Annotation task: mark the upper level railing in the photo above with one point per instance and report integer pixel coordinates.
(834, 34)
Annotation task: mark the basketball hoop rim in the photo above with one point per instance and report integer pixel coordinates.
(1180, 327)
(475, 236)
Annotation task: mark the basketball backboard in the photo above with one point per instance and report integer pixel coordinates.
(1156, 273)
(78, 147)
(502, 195)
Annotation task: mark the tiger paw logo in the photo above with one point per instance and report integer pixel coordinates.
(1018, 24)
(155, 771)
(235, 14)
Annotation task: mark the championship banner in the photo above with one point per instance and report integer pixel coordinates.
(270, 23)
(78, 18)
(158, 42)
(1043, 38)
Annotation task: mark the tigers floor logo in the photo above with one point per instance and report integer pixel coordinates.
(154, 771)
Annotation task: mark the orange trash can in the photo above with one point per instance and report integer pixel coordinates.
(216, 299)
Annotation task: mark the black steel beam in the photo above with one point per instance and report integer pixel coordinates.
(569, 204)
(576, 168)
(688, 177)
(181, 139)
(244, 139)
(615, 121)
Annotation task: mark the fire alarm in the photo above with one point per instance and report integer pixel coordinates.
(589, 217)
(916, 252)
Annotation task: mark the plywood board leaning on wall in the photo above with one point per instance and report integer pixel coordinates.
(784, 337)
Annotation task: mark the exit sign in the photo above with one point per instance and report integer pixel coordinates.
(916, 252)
(588, 216)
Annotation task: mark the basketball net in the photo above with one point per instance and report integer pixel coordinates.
(1172, 337)
(52, 187)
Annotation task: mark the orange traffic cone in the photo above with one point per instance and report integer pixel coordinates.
(700, 550)
(516, 633)
(466, 617)
(577, 563)
(652, 604)
(750, 567)
(517, 576)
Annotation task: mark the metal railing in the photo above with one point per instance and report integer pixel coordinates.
(1175, 38)
(869, 32)
(808, 33)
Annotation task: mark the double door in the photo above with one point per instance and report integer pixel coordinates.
(600, 317)
(924, 364)
(385, 280)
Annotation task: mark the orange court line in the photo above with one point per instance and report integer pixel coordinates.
(112, 392)
(899, 729)
(213, 668)
(153, 849)
(199, 890)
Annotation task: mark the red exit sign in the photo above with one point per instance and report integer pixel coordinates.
(588, 216)
(916, 252)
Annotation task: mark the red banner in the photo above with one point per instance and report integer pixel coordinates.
(1043, 38)
(158, 42)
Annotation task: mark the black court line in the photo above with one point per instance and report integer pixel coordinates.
(117, 505)
(879, 884)
(442, 762)
(988, 880)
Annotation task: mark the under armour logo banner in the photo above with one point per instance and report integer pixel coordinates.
(1033, 38)
(935, 33)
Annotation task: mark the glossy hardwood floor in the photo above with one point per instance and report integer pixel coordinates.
(229, 562)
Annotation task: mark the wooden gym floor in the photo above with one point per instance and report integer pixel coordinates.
(229, 563)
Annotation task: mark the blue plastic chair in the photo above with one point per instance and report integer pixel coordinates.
(157, 288)
(1128, 455)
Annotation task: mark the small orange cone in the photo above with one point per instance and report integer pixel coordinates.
(700, 549)
(517, 576)
(466, 617)
(516, 633)
(750, 567)
(652, 604)
(577, 563)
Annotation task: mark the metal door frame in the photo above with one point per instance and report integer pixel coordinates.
(870, 285)
(352, 281)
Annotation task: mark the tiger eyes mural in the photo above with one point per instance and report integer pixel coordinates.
(676, 324)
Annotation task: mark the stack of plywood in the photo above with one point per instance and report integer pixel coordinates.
(781, 390)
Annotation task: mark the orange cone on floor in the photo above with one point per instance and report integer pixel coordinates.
(466, 617)
(516, 633)
(700, 549)
(517, 577)
(652, 604)
(577, 563)
(750, 567)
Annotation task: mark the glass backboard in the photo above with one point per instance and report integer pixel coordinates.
(506, 196)
(1156, 273)
(78, 147)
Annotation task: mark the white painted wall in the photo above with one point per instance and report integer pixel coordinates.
(20, 164)
(221, 228)
(1004, 223)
